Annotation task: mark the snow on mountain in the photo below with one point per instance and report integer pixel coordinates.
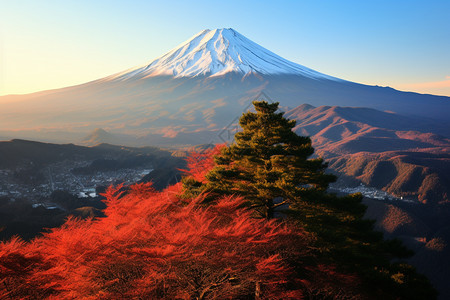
(217, 52)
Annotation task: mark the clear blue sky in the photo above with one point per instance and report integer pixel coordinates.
(49, 44)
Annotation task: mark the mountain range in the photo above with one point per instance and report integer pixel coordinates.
(200, 86)
(398, 154)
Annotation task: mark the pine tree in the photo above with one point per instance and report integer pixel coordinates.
(267, 164)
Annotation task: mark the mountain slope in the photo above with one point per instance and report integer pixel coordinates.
(217, 52)
(381, 149)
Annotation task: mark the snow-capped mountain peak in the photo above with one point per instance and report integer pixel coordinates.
(217, 52)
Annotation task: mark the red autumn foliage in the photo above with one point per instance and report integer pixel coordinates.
(152, 245)
(200, 163)
(149, 246)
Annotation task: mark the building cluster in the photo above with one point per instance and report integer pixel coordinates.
(59, 176)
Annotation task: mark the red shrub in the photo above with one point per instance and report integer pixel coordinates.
(153, 245)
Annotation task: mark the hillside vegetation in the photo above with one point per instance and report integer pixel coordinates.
(199, 240)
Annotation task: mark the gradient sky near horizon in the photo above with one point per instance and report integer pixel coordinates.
(50, 44)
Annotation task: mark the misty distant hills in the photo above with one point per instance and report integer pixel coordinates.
(17, 152)
(99, 136)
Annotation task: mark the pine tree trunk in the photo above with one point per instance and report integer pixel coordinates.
(257, 290)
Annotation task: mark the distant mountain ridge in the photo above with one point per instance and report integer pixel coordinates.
(99, 136)
(381, 149)
(338, 126)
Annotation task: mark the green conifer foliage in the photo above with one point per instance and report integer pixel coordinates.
(267, 164)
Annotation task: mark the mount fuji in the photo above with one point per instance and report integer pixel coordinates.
(192, 93)
(215, 53)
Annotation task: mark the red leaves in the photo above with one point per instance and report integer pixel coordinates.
(200, 163)
(153, 245)
(19, 262)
